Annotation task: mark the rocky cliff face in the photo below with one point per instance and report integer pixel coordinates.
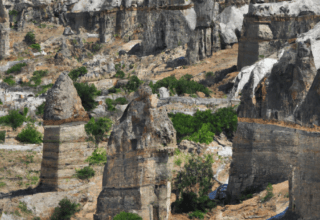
(136, 176)
(278, 130)
(267, 27)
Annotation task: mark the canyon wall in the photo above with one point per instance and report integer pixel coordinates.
(137, 175)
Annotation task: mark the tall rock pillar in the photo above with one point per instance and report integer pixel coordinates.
(136, 176)
(64, 143)
(4, 31)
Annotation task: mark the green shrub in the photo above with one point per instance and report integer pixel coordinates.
(87, 94)
(16, 68)
(209, 74)
(117, 66)
(14, 119)
(127, 216)
(85, 173)
(181, 86)
(111, 103)
(30, 135)
(42, 25)
(23, 207)
(36, 218)
(30, 38)
(2, 184)
(96, 47)
(9, 80)
(119, 74)
(203, 125)
(269, 194)
(1, 102)
(40, 109)
(114, 90)
(120, 101)
(36, 47)
(97, 129)
(2, 136)
(76, 73)
(133, 84)
(99, 157)
(45, 89)
(13, 12)
(197, 214)
(36, 78)
(196, 172)
(65, 210)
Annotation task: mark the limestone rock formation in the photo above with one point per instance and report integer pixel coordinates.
(63, 103)
(4, 31)
(65, 147)
(267, 27)
(136, 176)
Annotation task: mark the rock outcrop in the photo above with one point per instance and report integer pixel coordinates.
(278, 133)
(136, 176)
(4, 31)
(268, 27)
(64, 144)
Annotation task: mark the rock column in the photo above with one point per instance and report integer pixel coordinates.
(65, 148)
(137, 175)
(4, 31)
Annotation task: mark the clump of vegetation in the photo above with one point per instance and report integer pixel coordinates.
(204, 125)
(96, 47)
(16, 68)
(133, 84)
(36, 78)
(111, 103)
(76, 73)
(42, 26)
(14, 119)
(30, 135)
(1, 102)
(65, 210)
(87, 94)
(269, 194)
(36, 47)
(2, 184)
(209, 74)
(30, 38)
(40, 109)
(97, 129)
(23, 207)
(9, 80)
(196, 172)
(98, 157)
(127, 216)
(13, 12)
(119, 74)
(2, 136)
(85, 173)
(45, 89)
(181, 86)
(114, 90)
(197, 214)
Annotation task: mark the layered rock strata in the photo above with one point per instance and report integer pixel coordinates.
(267, 27)
(64, 144)
(136, 176)
(278, 127)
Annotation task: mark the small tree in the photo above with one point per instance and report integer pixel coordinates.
(98, 157)
(97, 129)
(65, 210)
(196, 172)
(30, 38)
(87, 94)
(30, 135)
(85, 173)
(76, 73)
(14, 119)
(133, 84)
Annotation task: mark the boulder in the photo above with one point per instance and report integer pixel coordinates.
(163, 92)
(67, 31)
(63, 103)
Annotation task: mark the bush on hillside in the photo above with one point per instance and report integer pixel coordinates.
(30, 38)
(14, 119)
(204, 125)
(87, 94)
(9, 80)
(30, 135)
(36, 78)
(2, 136)
(36, 47)
(118, 101)
(85, 173)
(197, 214)
(98, 157)
(97, 129)
(76, 73)
(133, 84)
(65, 210)
(40, 109)
(196, 172)
(181, 86)
(269, 194)
(119, 74)
(127, 216)
(16, 68)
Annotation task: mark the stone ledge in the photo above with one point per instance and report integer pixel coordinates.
(63, 121)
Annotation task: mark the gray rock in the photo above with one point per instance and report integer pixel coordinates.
(68, 31)
(63, 101)
(164, 93)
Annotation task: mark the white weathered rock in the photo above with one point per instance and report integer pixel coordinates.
(225, 151)
(130, 47)
(257, 70)
(191, 17)
(229, 37)
(10, 217)
(164, 93)
(27, 147)
(68, 31)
